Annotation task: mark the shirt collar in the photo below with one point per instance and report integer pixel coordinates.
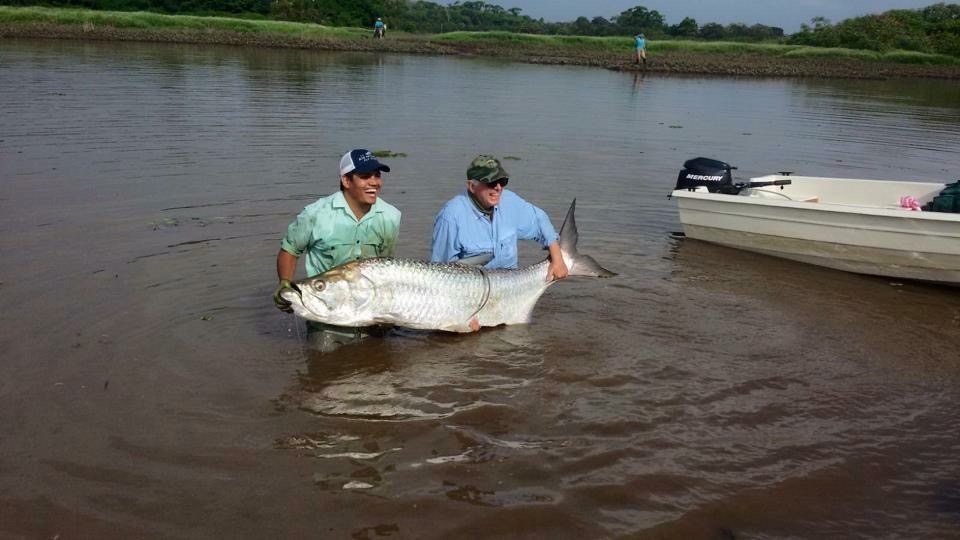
(476, 208)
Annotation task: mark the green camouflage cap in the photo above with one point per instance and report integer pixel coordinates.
(487, 169)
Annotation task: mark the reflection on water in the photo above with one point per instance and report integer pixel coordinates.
(938, 99)
(418, 375)
(638, 78)
(151, 388)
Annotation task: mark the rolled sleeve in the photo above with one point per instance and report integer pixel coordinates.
(536, 226)
(299, 234)
(547, 233)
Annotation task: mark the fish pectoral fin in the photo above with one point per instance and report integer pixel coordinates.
(464, 328)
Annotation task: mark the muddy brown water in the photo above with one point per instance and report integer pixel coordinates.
(149, 389)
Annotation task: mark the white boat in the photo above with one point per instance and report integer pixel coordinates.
(846, 224)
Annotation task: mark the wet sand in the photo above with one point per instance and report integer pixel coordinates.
(679, 62)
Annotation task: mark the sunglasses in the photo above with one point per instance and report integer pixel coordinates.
(501, 182)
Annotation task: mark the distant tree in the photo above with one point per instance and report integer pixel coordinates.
(736, 31)
(712, 31)
(761, 32)
(640, 19)
(602, 27)
(934, 29)
(688, 27)
(582, 26)
(819, 23)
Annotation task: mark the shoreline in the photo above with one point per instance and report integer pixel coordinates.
(661, 62)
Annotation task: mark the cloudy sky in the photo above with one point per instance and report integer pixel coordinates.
(787, 14)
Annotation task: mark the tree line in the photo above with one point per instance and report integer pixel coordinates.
(934, 29)
(419, 16)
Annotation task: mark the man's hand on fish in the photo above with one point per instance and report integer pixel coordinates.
(281, 303)
(557, 268)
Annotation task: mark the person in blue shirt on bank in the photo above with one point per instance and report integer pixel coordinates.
(488, 219)
(379, 29)
(640, 43)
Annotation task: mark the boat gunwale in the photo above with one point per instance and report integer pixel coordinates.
(842, 208)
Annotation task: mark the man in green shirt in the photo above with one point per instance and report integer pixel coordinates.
(353, 223)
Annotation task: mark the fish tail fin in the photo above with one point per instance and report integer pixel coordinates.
(577, 263)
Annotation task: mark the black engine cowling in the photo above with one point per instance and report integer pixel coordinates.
(714, 174)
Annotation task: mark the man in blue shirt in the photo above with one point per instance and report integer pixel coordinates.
(486, 218)
(640, 43)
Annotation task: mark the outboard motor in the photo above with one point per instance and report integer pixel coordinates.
(716, 177)
(712, 173)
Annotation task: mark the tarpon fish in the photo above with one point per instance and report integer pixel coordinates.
(453, 297)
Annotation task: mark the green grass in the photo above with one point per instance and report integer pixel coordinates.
(720, 47)
(147, 20)
(701, 47)
(913, 57)
(593, 42)
(802, 51)
(617, 43)
(899, 57)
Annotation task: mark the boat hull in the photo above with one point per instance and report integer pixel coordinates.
(865, 238)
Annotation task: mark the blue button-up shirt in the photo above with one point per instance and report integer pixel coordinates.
(461, 230)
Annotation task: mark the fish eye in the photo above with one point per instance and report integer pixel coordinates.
(319, 285)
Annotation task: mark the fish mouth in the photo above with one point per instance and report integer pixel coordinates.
(296, 289)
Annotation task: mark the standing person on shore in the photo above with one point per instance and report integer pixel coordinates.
(640, 43)
(486, 218)
(379, 29)
(351, 224)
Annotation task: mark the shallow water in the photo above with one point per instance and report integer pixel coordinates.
(150, 389)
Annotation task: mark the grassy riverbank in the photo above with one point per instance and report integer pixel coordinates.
(693, 57)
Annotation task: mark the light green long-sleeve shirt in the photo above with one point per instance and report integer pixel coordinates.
(330, 235)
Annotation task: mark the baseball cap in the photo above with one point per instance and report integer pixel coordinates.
(362, 161)
(487, 169)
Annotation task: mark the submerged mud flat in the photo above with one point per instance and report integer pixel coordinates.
(681, 62)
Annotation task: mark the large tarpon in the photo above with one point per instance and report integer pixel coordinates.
(433, 296)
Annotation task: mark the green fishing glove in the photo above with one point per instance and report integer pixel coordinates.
(281, 303)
